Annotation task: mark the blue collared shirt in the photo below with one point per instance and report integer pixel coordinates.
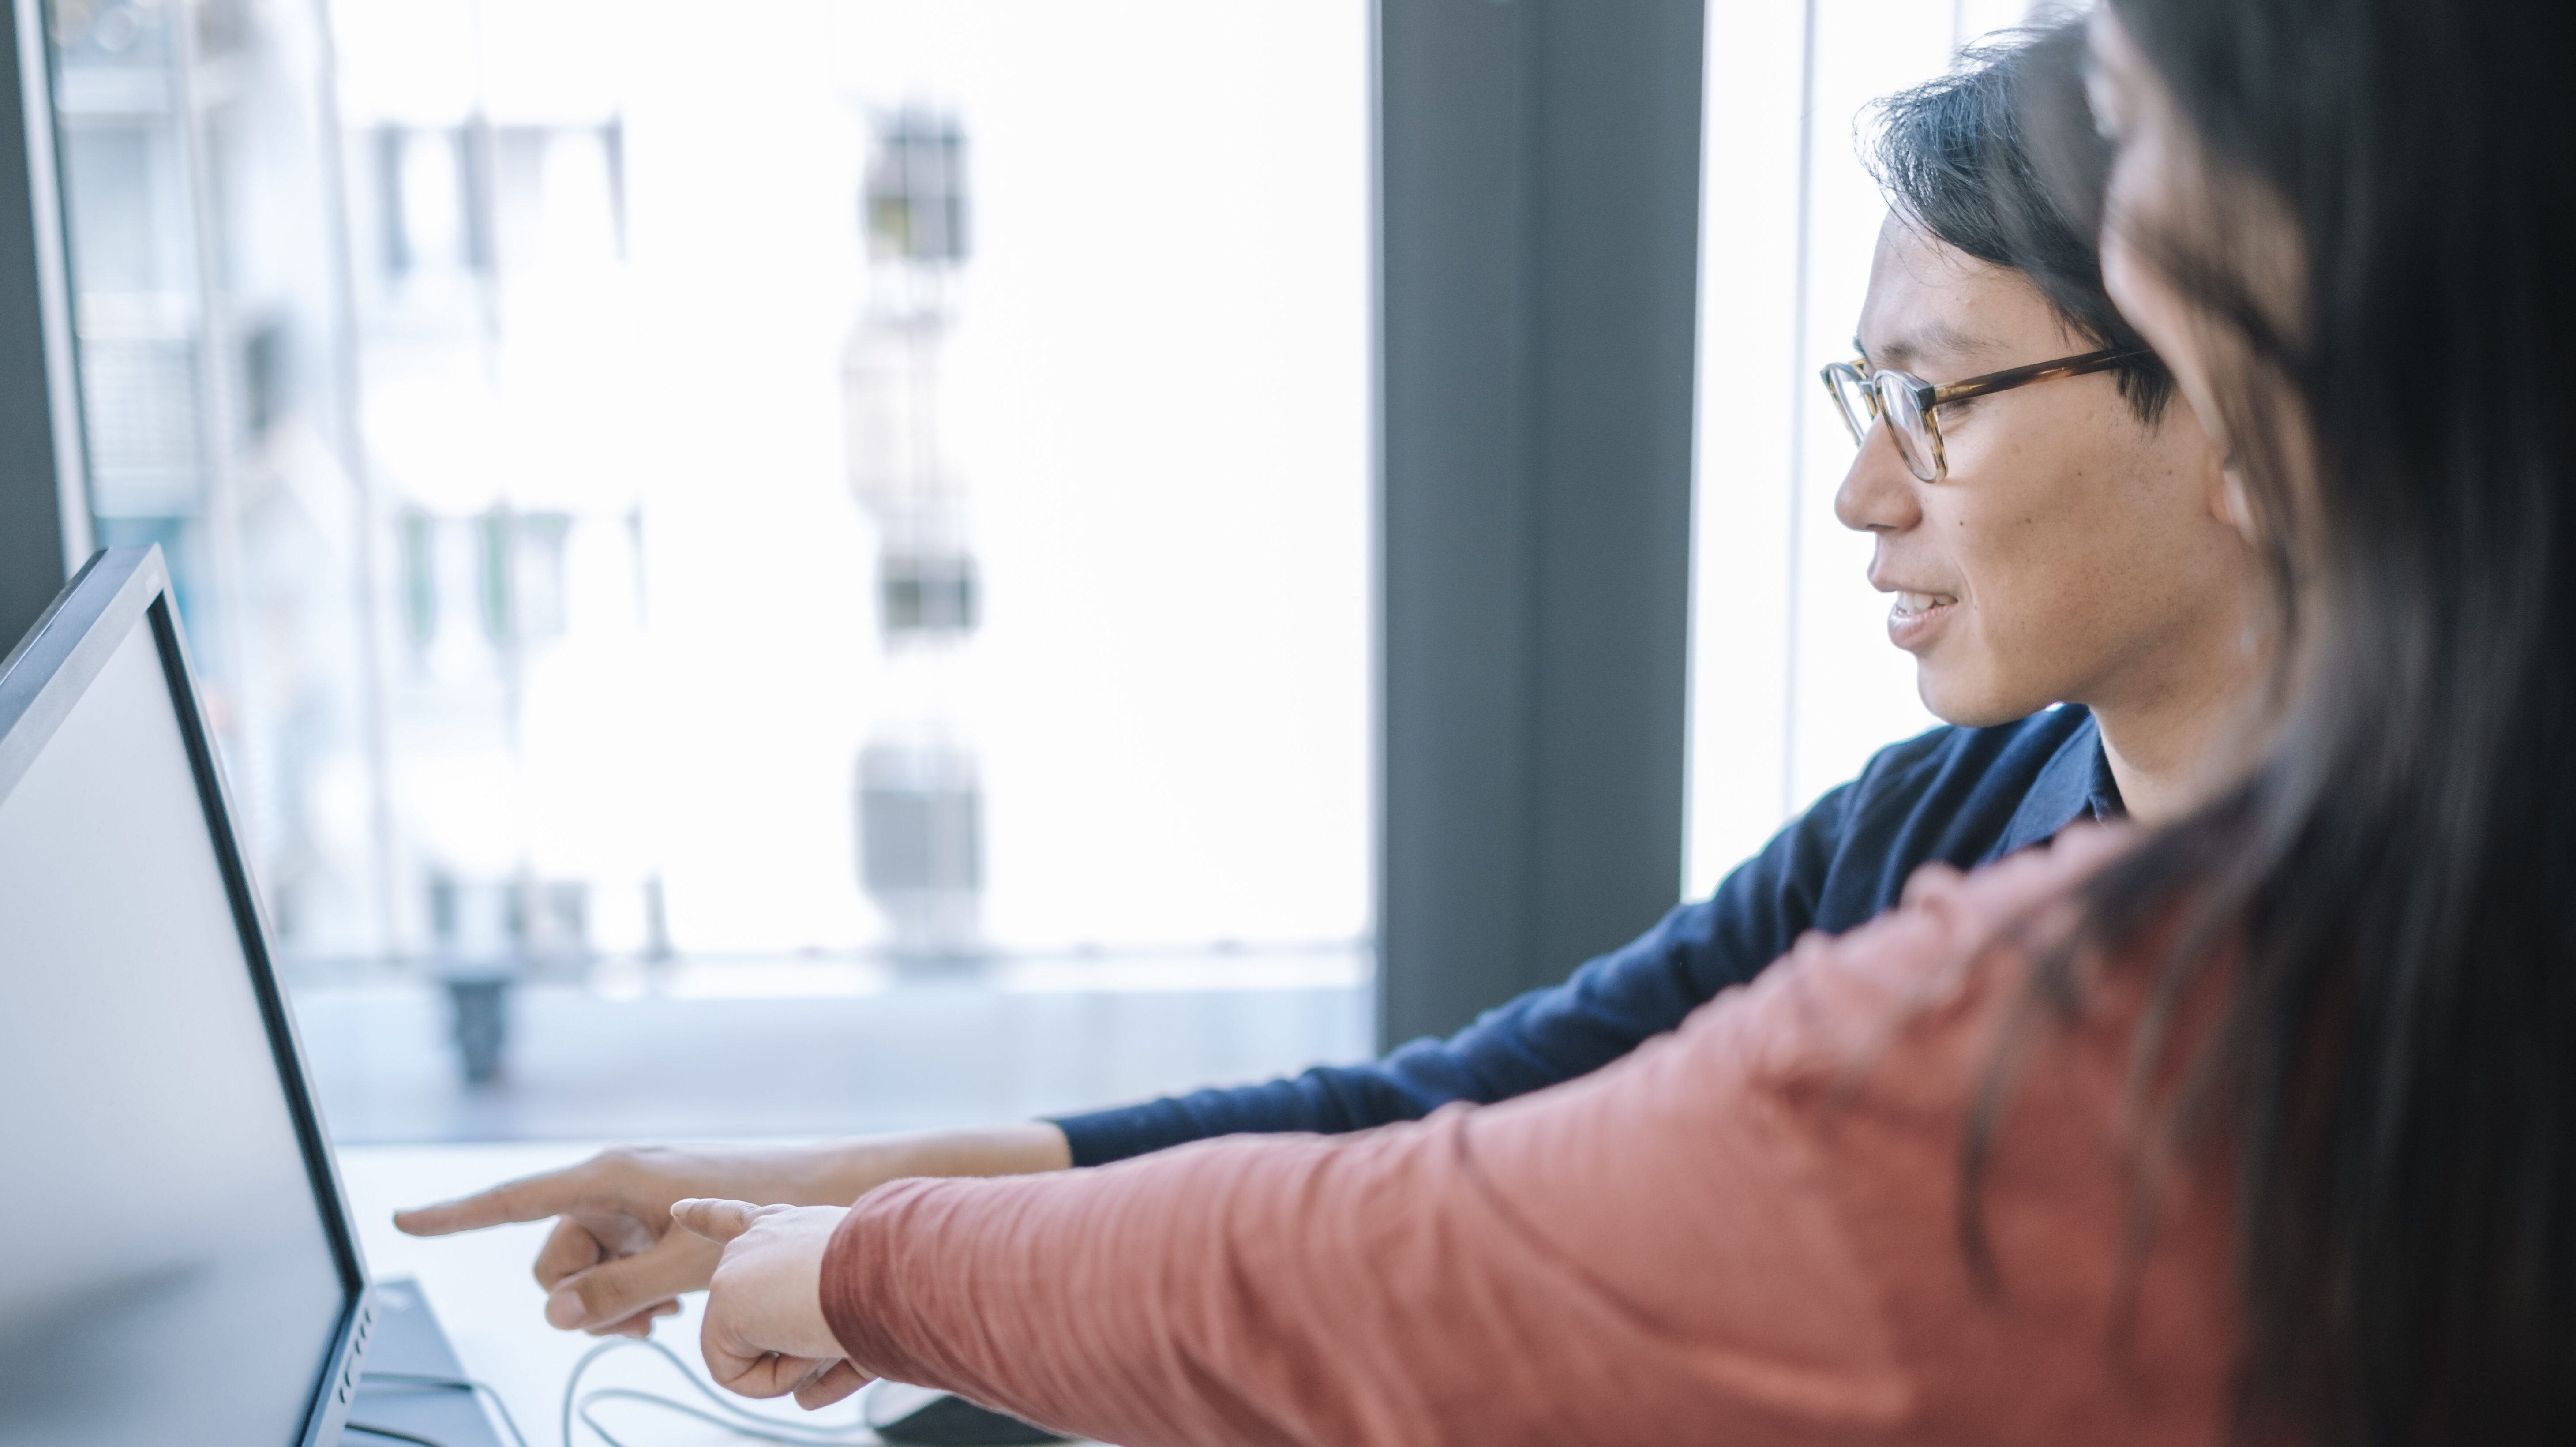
(1963, 796)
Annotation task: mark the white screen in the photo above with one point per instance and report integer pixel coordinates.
(170, 1278)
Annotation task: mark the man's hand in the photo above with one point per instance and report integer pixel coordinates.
(765, 1335)
(613, 1262)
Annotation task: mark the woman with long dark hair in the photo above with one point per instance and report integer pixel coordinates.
(2350, 225)
(2259, 1126)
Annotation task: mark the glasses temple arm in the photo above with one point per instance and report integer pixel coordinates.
(2036, 372)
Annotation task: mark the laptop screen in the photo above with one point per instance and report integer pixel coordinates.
(178, 1268)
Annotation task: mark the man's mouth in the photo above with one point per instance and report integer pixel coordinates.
(1913, 605)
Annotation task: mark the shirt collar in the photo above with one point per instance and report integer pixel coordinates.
(2074, 784)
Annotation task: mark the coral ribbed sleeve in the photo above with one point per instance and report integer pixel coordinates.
(1746, 1232)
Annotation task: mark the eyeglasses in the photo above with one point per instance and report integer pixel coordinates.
(1910, 405)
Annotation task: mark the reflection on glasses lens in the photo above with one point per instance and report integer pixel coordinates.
(1906, 423)
(1851, 397)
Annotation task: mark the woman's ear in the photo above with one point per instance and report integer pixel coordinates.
(2222, 490)
(2231, 506)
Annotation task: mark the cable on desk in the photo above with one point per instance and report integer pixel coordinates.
(455, 1384)
(414, 1438)
(739, 1420)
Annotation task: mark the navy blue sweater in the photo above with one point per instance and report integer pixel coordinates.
(1963, 796)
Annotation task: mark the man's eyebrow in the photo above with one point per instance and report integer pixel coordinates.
(1929, 339)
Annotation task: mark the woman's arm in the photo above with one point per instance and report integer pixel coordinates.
(1546, 1270)
(1746, 1231)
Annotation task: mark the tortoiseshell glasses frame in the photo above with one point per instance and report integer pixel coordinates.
(1910, 406)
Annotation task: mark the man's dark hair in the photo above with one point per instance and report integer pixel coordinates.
(1950, 155)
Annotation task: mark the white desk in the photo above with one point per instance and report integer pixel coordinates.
(480, 1287)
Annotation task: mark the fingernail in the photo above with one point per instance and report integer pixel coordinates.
(563, 1309)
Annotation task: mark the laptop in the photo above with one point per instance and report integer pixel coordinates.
(182, 1265)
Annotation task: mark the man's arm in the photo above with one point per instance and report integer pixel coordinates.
(613, 1263)
(1607, 1008)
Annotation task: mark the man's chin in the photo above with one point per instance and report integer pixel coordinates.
(1972, 705)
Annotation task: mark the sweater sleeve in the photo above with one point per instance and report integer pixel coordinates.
(1538, 1039)
(1744, 1232)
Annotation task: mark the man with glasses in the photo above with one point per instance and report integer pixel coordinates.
(2056, 529)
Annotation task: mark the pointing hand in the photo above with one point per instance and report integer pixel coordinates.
(765, 1335)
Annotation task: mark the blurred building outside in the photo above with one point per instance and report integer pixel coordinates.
(919, 804)
(571, 519)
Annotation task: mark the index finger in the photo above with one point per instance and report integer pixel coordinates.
(529, 1198)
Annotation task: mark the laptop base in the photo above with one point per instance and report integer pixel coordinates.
(408, 1340)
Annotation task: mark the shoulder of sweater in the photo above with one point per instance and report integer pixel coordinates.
(1842, 998)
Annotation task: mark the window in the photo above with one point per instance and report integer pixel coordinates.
(814, 502)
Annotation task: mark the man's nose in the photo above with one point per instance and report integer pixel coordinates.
(1877, 495)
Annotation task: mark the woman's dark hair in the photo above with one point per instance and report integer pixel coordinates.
(1950, 155)
(2393, 1074)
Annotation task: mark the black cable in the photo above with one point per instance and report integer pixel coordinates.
(739, 1420)
(458, 1384)
(397, 1436)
